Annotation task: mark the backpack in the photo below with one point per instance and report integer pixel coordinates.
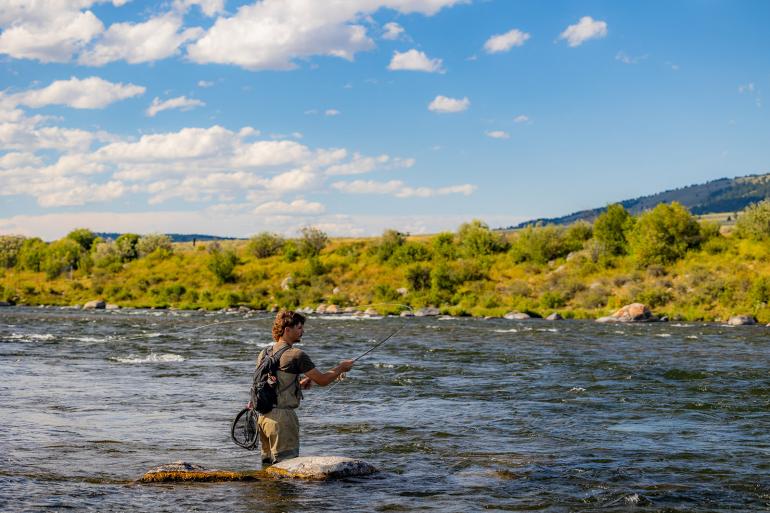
(264, 396)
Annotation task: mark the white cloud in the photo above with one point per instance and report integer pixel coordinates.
(498, 134)
(19, 159)
(587, 28)
(399, 189)
(392, 31)
(180, 102)
(628, 59)
(747, 88)
(46, 31)
(521, 118)
(188, 143)
(446, 104)
(296, 207)
(205, 83)
(273, 34)
(361, 164)
(413, 60)
(208, 7)
(332, 112)
(155, 39)
(504, 42)
(300, 179)
(89, 93)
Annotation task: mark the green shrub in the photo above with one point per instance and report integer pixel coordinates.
(265, 244)
(754, 222)
(390, 241)
(107, 256)
(312, 241)
(60, 256)
(664, 234)
(222, 263)
(759, 293)
(444, 246)
(384, 292)
(410, 252)
(654, 297)
(315, 267)
(611, 229)
(31, 254)
(418, 277)
(539, 244)
(576, 235)
(126, 247)
(476, 239)
(290, 251)
(153, 242)
(552, 300)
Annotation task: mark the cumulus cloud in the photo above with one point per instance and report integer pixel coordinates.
(446, 104)
(205, 83)
(180, 102)
(628, 59)
(392, 31)
(332, 112)
(399, 189)
(273, 34)
(497, 134)
(585, 29)
(296, 207)
(504, 42)
(521, 118)
(361, 164)
(207, 7)
(155, 39)
(89, 93)
(413, 60)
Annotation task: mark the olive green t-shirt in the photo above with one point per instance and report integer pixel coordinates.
(293, 360)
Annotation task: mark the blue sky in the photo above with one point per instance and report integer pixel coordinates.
(232, 117)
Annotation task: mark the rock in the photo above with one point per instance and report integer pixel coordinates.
(6, 303)
(96, 304)
(406, 313)
(516, 316)
(336, 290)
(635, 312)
(350, 310)
(428, 311)
(244, 309)
(183, 471)
(371, 312)
(306, 310)
(554, 317)
(403, 291)
(321, 467)
(333, 309)
(286, 283)
(560, 269)
(320, 309)
(110, 306)
(741, 320)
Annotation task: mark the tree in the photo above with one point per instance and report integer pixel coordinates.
(390, 241)
(754, 223)
(222, 263)
(10, 245)
(265, 244)
(611, 229)
(61, 256)
(476, 239)
(444, 246)
(126, 246)
(154, 242)
(84, 237)
(31, 254)
(664, 234)
(312, 241)
(539, 244)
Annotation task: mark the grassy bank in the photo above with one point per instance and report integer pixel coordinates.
(574, 271)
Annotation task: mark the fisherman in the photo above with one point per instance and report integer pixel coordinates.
(279, 429)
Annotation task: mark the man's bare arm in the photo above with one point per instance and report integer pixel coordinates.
(324, 378)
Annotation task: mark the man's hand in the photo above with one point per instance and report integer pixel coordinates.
(345, 365)
(305, 383)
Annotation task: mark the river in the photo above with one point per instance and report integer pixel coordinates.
(459, 414)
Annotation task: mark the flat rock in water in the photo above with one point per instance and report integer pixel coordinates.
(96, 304)
(183, 471)
(517, 316)
(741, 320)
(554, 317)
(321, 467)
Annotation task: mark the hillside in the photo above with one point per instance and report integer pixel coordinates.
(722, 195)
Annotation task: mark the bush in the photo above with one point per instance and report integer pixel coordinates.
(84, 237)
(664, 234)
(10, 246)
(290, 251)
(265, 244)
(60, 256)
(576, 235)
(107, 256)
(539, 244)
(611, 229)
(444, 246)
(390, 241)
(409, 253)
(476, 239)
(418, 277)
(222, 263)
(126, 247)
(754, 222)
(153, 242)
(312, 241)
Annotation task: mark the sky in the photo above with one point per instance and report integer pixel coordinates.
(232, 117)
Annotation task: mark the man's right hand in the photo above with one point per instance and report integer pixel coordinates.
(345, 365)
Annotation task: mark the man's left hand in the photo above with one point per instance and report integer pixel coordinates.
(305, 383)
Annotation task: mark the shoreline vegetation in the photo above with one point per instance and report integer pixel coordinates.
(665, 258)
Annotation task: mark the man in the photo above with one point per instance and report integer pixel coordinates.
(279, 429)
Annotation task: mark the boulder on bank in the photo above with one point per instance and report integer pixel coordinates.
(111, 306)
(321, 467)
(554, 317)
(635, 312)
(333, 309)
(517, 316)
(371, 312)
(6, 303)
(96, 304)
(741, 320)
(428, 311)
(320, 309)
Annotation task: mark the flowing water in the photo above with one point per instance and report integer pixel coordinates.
(459, 414)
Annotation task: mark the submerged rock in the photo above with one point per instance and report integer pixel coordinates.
(635, 312)
(321, 467)
(741, 320)
(183, 471)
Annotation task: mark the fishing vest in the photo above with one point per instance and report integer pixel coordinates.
(288, 391)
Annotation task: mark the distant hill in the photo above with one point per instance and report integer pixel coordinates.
(722, 195)
(175, 237)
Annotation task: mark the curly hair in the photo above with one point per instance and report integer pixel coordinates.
(286, 319)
